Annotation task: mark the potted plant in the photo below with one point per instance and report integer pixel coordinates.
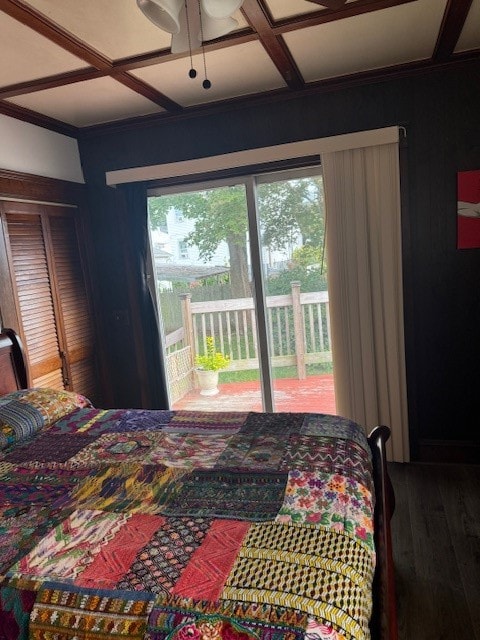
(208, 366)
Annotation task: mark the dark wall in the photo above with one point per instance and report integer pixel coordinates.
(442, 300)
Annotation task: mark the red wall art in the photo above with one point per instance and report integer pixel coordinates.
(468, 209)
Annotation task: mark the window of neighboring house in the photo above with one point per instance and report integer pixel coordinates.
(183, 249)
(178, 215)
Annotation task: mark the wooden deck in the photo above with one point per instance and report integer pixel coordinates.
(315, 394)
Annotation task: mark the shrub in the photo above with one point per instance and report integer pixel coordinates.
(212, 360)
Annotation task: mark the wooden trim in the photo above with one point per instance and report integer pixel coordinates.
(454, 18)
(268, 32)
(257, 15)
(330, 4)
(146, 90)
(317, 88)
(258, 12)
(384, 614)
(165, 55)
(14, 184)
(50, 82)
(450, 451)
(11, 288)
(273, 44)
(34, 117)
(37, 21)
(40, 23)
(330, 15)
(8, 303)
(405, 70)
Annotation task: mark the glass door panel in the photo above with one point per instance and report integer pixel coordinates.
(204, 293)
(292, 231)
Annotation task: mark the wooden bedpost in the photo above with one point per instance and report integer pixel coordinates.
(13, 371)
(384, 615)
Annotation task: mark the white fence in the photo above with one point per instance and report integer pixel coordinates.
(298, 333)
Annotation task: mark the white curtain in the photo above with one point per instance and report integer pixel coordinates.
(362, 195)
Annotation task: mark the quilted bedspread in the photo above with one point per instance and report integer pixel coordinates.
(188, 526)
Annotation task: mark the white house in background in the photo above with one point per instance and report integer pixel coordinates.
(161, 245)
(170, 247)
(178, 228)
(176, 260)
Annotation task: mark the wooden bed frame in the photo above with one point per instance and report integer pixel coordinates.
(13, 376)
(13, 372)
(384, 615)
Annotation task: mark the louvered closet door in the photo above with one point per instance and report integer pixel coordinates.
(74, 305)
(31, 275)
(51, 295)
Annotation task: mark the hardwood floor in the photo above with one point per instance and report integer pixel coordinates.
(436, 544)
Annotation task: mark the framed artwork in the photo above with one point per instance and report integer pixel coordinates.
(468, 209)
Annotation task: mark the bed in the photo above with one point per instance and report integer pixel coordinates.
(175, 525)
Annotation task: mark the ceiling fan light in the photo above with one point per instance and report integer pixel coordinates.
(180, 42)
(210, 29)
(216, 28)
(163, 13)
(181, 18)
(188, 36)
(221, 8)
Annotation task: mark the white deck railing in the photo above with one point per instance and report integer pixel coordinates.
(298, 331)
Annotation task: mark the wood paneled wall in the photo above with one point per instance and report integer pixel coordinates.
(442, 298)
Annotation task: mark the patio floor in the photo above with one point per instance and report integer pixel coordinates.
(316, 394)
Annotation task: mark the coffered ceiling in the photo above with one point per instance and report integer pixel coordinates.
(71, 65)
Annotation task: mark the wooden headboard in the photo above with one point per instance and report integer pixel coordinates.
(13, 371)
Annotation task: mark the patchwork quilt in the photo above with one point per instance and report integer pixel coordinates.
(161, 525)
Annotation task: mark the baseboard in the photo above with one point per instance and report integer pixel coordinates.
(448, 451)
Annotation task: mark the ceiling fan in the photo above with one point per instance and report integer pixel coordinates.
(191, 22)
(194, 22)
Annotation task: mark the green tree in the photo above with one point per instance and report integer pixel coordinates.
(308, 255)
(219, 215)
(157, 212)
(288, 209)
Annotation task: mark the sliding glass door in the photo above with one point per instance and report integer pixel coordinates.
(241, 289)
(290, 213)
